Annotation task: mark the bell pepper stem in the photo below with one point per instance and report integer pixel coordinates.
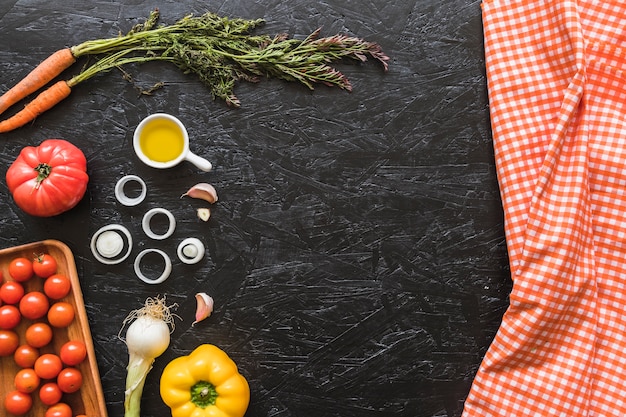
(203, 394)
(138, 368)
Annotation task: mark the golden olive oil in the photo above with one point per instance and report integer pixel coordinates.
(161, 140)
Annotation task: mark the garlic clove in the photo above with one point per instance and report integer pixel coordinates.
(204, 214)
(202, 191)
(204, 306)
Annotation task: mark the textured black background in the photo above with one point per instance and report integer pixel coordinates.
(356, 255)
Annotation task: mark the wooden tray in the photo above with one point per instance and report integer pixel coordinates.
(89, 399)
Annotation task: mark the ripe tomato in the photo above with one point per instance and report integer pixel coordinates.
(44, 265)
(48, 366)
(59, 410)
(38, 335)
(10, 317)
(70, 380)
(9, 341)
(34, 305)
(11, 292)
(57, 286)
(26, 380)
(73, 352)
(21, 269)
(61, 314)
(25, 356)
(48, 179)
(18, 403)
(50, 393)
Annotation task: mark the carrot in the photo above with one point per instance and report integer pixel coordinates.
(47, 70)
(61, 89)
(44, 101)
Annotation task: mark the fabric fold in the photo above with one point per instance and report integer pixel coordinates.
(556, 92)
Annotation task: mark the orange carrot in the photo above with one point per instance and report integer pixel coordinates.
(47, 70)
(61, 89)
(44, 101)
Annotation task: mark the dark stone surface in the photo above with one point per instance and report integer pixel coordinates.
(356, 255)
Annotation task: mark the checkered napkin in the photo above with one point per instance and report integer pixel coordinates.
(556, 74)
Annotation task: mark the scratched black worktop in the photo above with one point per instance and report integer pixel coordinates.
(356, 255)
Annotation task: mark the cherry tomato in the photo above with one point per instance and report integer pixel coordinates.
(60, 314)
(21, 269)
(73, 352)
(11, 292)
(26, 380)
(38, 335)
(25, 356)
(57, 286)
(48, 366)
(59, 410)
(18, 403)
(44, 265)
(9, 341)
(34, 305)
(9, 317)
(70, 380)
(50, 393)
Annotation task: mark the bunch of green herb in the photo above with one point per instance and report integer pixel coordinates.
(222, 51)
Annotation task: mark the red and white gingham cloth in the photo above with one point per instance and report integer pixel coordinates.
(556, 72)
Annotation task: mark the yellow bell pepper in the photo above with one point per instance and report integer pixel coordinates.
(204, 384)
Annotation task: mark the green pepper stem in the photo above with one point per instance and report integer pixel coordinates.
(203, 394)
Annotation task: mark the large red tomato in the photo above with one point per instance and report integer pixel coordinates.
(48, 179)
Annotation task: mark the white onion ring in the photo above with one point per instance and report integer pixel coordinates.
(166, 271)
(196, 244)
(145, 223)
(106, 259)
(122, 197)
